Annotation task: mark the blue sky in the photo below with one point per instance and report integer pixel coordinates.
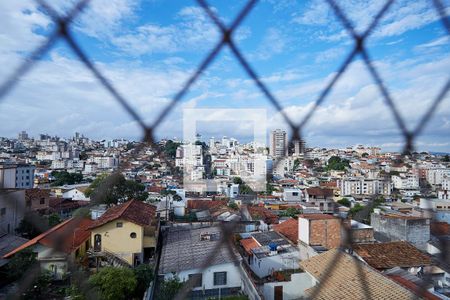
(149, 48)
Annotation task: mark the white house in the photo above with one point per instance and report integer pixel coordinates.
(186, 249)
(76, 194)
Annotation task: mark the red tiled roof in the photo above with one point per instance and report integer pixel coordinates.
(414, 288)
(205, 204)
(392, 254)
(316, 216)
(134, 211)
(249, 244)
(263, 213)
(289, 229)
(440, 228)
(67, 235)
(316, 191)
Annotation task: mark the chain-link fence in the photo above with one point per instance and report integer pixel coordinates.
(63, 32)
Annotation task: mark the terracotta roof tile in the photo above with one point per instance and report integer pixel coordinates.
(440, 228)
(414, 288)
(134, 211)
(262, 213)
(249, 244)
(289, 229)
(345, 280)
(205, 204)
(392, 254)
(67, 235)
(317, 191)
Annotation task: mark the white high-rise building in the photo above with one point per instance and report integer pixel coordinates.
(278, 143)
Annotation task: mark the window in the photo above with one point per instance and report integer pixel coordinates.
(133, 235)
(220, 278)
(119, 224)
(197, 278)
(3, 211)
(295, 194)
(42, 201)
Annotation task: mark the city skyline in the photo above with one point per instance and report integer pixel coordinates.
(148, 50)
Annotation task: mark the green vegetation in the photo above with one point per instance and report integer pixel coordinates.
(114, 283)
(53, 220)
(244, 189)
(169, 288)
(144, 275)
(446, 158)
(64, 177)
(115, 189)
(296, 164)
(19, 263)
(82, 212)
(338, 164)
(344, 202)
(170, 148)
(291, 212)
(233, 205)
(355, 209)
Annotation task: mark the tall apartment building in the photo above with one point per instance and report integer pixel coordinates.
(16, 176)
(278, 143)
(297, 147)
(364, 186)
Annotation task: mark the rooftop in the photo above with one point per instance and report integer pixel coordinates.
(67, 235)
(183, 249)
(392, 254)
(346, 278)
(134, 211)
(289, 229)
(9, 242)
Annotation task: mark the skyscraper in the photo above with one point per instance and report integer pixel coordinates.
(278, 143)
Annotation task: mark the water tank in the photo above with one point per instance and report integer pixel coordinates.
(179, 211)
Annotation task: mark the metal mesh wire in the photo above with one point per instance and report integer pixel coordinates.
(62, 32)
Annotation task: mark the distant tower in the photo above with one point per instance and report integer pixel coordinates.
(23, 136)
(278, 143)
(198, 138)
(297, 147)
(212, 142)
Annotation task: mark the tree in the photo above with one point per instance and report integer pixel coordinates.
(170, 148)
(365, 154)
(144, 275)
(237, 180)
(355, 209)
(291, 212)
(169, 288)
(28, 227)
(114, 283)
(446, 158)
(64, 177)
(20, 262)
(233, 205)
(336, 163)
(344, 202)
(53, 220)
(115, 189)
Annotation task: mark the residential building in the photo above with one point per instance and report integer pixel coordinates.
(318, 233)
(364, 186)
(20, 176)
(278, 143)
(400, 227)
(127, 231)
(267, 252)
(185, 251)
(59, 246)
(345, 280)
(12, 209)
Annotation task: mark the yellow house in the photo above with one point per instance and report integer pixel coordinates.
(126, 231)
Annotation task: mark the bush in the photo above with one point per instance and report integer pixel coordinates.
(114, 283)
(144, 275)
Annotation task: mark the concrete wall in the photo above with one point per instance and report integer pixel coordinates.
(263, 267)
(12, 209)
(415, 231)
(293, 289)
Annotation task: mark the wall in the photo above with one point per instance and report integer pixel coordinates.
(118, 240)
(263, 267)
(363, 235)
(233, 276)
(325, 233)
(293, 289)
(12, 203)
(415, 231)
(303, 230)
